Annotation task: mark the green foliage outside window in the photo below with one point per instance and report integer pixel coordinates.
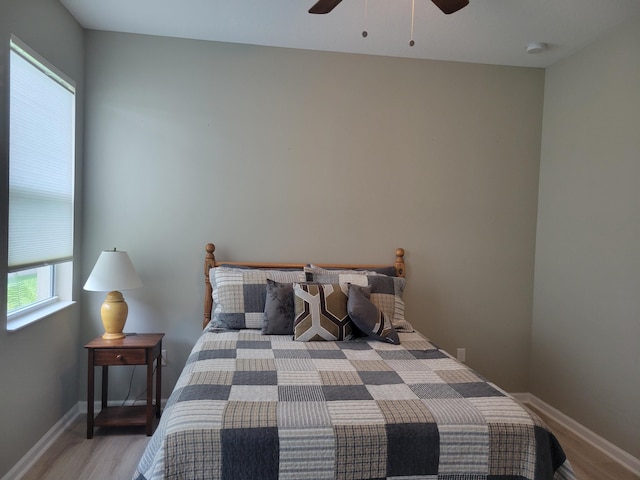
(21, 291)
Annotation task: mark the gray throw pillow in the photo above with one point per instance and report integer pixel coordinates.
(279, 310)
(368, 318)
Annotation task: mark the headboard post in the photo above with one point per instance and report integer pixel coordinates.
(209, 263)
(400, 270)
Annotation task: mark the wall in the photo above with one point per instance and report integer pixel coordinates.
(39, 364)
(278, 154)
(586, 318)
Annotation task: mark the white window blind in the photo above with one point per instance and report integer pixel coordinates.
(41, 161)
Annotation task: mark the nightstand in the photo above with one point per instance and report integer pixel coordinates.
(134, 349)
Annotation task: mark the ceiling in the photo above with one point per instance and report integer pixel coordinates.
(486, 31)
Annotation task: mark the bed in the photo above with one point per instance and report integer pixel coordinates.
(312, 372)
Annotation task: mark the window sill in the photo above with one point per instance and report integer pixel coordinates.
(15, 324)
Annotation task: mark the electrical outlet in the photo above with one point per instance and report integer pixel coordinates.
(163, 357)
(462, 354)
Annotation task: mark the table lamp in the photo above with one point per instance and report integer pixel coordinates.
(113, 272)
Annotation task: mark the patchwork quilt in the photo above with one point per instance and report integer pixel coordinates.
(252, 406)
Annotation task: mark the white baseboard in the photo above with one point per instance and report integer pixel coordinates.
(32, 456)
(614, 452)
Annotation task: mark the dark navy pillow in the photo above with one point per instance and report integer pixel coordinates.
(368, 318)
(279, 310)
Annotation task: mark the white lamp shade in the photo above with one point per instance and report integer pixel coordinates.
(113, 271)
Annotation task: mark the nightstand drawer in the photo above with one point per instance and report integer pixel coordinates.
(120, 356)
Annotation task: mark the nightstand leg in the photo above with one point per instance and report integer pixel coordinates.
(149, 410)
(105, 386)
(90, 393)
(158, 382)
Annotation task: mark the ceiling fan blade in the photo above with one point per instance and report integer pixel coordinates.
(450, 6)
(324, 6)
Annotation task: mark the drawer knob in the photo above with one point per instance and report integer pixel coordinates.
(119, 357)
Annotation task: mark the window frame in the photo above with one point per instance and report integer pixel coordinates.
(61, 269)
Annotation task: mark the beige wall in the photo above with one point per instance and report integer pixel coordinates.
(39, 364)
(278, 154)
(586, 318)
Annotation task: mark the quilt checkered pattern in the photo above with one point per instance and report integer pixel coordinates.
(252, 406)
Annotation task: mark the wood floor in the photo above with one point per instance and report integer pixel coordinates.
(113, 454)
(588, 462)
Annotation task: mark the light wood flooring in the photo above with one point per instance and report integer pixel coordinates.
(588, 462)
(113, 454)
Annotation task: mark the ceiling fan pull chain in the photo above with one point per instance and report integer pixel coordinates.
(413, 9)
(366, 18)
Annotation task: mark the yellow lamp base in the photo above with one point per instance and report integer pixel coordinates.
(114, 313)
(113, 336)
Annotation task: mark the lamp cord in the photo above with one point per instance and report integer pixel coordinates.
(131, 382)
(129, 391)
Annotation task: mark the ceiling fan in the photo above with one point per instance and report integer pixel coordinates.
(447, 6)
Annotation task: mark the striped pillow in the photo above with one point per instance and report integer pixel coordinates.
(239, 295)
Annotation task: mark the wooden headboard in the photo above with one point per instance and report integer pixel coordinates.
(211, 262)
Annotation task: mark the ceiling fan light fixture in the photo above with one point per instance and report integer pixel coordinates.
(536, 47)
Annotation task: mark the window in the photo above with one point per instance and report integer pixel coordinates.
(41, 178)
(29, 287)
